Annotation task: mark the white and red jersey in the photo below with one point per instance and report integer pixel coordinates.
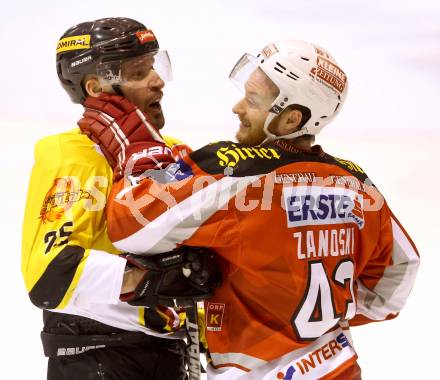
(304, 241)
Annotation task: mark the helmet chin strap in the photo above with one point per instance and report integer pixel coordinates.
(117, 89)
(271, 137)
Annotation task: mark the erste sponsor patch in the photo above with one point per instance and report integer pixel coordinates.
(318, 205)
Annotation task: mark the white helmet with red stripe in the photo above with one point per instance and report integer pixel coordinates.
(305, 75)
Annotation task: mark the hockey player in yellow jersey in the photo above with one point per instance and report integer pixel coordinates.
(70, 268)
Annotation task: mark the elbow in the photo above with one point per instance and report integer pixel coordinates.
(40, 293)
(53, 285)
(42, 302)
(416, 263)
(413, 267)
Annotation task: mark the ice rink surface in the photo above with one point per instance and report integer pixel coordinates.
(389, 126)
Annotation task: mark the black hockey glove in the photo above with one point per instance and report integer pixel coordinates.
(177, 278)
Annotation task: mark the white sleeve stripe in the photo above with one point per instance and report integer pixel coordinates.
(246, 361)
(404, 243)
(392, 290)
(101, 279)
(181, 221)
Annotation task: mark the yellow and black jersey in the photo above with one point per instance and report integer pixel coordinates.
(68, 262)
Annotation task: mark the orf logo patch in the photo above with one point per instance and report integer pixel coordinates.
(214, 316)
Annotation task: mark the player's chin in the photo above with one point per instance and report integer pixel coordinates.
(246, 136)
(158, 119)
(154, 111)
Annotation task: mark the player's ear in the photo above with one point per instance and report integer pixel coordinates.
(289, 121)
(92, 86)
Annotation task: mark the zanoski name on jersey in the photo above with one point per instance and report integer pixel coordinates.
(323, 243)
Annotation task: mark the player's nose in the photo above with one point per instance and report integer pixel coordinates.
(238, 107)
(156, 82)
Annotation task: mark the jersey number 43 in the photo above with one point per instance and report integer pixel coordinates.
(316, 313)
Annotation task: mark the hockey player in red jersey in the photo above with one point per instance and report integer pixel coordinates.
(306, 243)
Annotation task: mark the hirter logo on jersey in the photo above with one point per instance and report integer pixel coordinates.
(214, 316)
(317, 205)
(145, 36)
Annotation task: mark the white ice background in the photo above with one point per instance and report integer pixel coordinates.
(390, 51)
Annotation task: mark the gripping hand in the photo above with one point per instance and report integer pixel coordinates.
(127, 137)
(177, 278)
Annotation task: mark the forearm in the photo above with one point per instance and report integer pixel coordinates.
(101, 279)
(74, 276)
(131, 279)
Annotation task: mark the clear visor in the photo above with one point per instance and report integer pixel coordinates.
(258, 89)
(135, 72)
(242, 70)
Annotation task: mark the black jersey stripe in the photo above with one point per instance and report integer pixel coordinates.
(237, 160)
(51, 287)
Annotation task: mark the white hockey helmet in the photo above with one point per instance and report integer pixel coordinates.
(305, 75)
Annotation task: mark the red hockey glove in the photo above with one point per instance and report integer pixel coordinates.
(126, 136)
